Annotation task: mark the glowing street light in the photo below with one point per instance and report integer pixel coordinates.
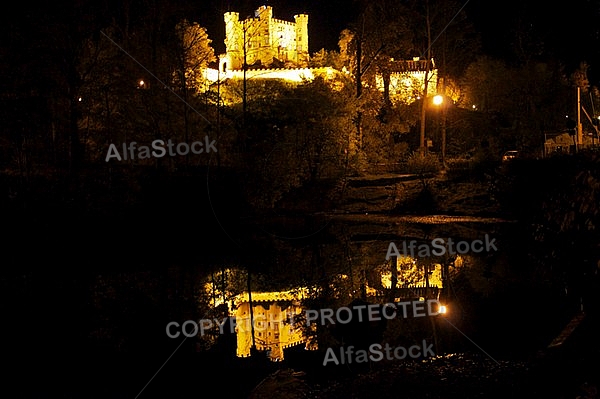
(438, 101)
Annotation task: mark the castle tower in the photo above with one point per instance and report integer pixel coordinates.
(234, 42)
(261, 33)
(264, 13)
(301, 39)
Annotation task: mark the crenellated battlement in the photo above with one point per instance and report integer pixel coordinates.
(278, 69)
(414, 72)
(266, 38)
(291, 75)
(274, 41)
(282, 22)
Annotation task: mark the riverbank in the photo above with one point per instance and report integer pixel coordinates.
(569, 372)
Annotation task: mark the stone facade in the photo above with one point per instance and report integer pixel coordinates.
(265, 40)
(277, 49)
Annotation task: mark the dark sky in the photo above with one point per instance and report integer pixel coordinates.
(568, 30)
(326, 19)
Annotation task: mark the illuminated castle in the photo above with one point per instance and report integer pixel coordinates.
(277, 49)
(264, 40)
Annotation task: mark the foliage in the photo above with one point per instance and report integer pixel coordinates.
(524, 102)
(556, 202)
(326, 58)
(195, 53)
(296, 135)
(485, 84)
(423, 164)
(579, 77)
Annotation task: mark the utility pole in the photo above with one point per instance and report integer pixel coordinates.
(422, 146)
(359, 39)
(444, 117)
(245, 82)
(443, 91)
(253, 348)
(426, 268)
(218, 112)
(394, 278)
(579, 126)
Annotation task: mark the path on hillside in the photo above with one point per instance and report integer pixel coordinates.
(401, 198)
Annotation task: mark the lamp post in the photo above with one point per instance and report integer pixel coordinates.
(438, 101)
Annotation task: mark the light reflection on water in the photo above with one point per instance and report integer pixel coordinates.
(345, 262)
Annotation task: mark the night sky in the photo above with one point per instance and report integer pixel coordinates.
(568, 30)
(326, 18)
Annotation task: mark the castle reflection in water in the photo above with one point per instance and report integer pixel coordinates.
(279, 316)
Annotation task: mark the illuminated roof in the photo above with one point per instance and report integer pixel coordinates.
(414, 65)
(291, 295)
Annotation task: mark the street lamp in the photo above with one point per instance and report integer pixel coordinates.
(438, 101)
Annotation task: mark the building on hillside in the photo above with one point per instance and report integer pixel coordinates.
(264, 41)
(278, 49)
(564, 143)
(403, 81)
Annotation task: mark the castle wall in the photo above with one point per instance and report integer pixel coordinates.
(296, 75)
(404, 87)
(264, 38)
